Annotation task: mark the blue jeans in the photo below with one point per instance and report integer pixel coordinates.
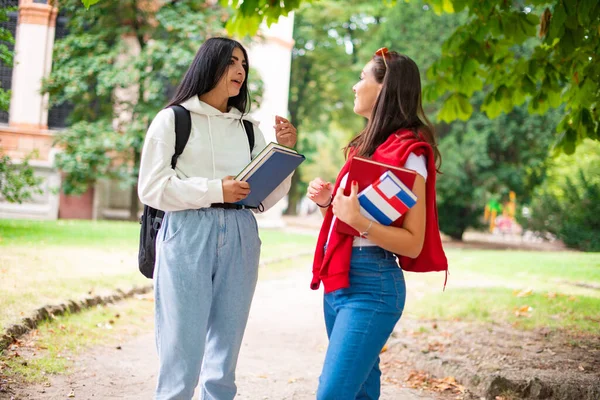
(359, 320)
(205, 276)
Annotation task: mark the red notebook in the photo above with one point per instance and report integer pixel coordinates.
(365, 172)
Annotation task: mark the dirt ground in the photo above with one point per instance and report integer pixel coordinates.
(494, 359)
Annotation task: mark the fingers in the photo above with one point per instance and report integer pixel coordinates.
(234, 191)
(229, 178)
(354, 189)
(244, 185)
(318, 184)
(279, 119)
(284, 126)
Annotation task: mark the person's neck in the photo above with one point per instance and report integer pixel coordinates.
(214, 100)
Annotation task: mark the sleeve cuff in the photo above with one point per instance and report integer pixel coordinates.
(215, 191)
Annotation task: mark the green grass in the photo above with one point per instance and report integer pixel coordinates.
(572, 313)
(527, 266)
(49, 262)
(484, 285)
(108, 234)
(48, 350)
(121, 235)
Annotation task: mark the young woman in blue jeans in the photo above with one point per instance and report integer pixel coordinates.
(207, 249)
(364, 286)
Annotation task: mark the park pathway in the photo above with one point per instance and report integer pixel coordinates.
(282, 353)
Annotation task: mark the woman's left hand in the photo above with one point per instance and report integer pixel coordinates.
(347, 208)
(285, 132)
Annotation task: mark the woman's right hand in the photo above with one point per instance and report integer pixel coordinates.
(234, 191)
(320, 191)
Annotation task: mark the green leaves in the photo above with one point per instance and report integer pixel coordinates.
(18, 182)
(88, 3)
(511, 65)
(117, 75)
(456, 106)
(249, 14)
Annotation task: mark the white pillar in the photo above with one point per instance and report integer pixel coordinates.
(32, 62)
(272, 58)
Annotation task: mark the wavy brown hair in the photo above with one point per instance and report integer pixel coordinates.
(398, 106)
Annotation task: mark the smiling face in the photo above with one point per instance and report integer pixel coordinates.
(366, 91)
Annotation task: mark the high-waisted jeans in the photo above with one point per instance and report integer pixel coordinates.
(359, 321)
(205, 276)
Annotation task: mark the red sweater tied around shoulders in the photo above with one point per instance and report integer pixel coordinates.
(332, 267)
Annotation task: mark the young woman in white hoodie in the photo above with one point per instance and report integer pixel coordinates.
(207, 249)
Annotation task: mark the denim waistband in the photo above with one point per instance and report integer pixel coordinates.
(371, 252)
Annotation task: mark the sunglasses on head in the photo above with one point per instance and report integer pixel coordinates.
(383, 53)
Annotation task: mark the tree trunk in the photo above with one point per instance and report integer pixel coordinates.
(294, 195)
(133, 206)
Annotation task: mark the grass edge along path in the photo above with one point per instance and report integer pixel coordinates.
(70, 306)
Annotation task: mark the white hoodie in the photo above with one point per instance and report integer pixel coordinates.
(217, 147)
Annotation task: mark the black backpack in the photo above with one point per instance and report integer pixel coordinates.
(151, 218)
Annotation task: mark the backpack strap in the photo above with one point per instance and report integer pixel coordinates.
(183, 127)
(249, 128)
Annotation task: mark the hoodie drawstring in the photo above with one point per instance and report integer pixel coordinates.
(212, 148)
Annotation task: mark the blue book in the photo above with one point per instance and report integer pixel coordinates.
(267, 171)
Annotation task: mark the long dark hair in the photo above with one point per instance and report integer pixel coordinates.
(398, 106)
(208, 67)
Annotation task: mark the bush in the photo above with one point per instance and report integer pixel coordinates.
(567, 205)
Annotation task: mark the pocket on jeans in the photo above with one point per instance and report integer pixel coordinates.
(175, 224)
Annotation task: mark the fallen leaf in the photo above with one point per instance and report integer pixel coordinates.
(523, 311)
(525, 293)
(581, 368)
(384, 349)
(421, 380)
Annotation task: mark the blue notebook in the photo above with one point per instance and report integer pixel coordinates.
(267, 171)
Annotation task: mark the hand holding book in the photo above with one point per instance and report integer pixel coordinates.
(234, 190)
(367, 172)
(267, 171)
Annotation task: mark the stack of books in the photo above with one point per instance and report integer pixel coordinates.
(267, 171)
(386, 199)
(384, 192)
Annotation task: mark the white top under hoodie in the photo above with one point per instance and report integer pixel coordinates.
(217, 147)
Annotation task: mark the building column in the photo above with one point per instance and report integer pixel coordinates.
(32, 62)
(27, 129)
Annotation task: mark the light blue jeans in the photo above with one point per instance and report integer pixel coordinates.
(205, 276)
(359, 320)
